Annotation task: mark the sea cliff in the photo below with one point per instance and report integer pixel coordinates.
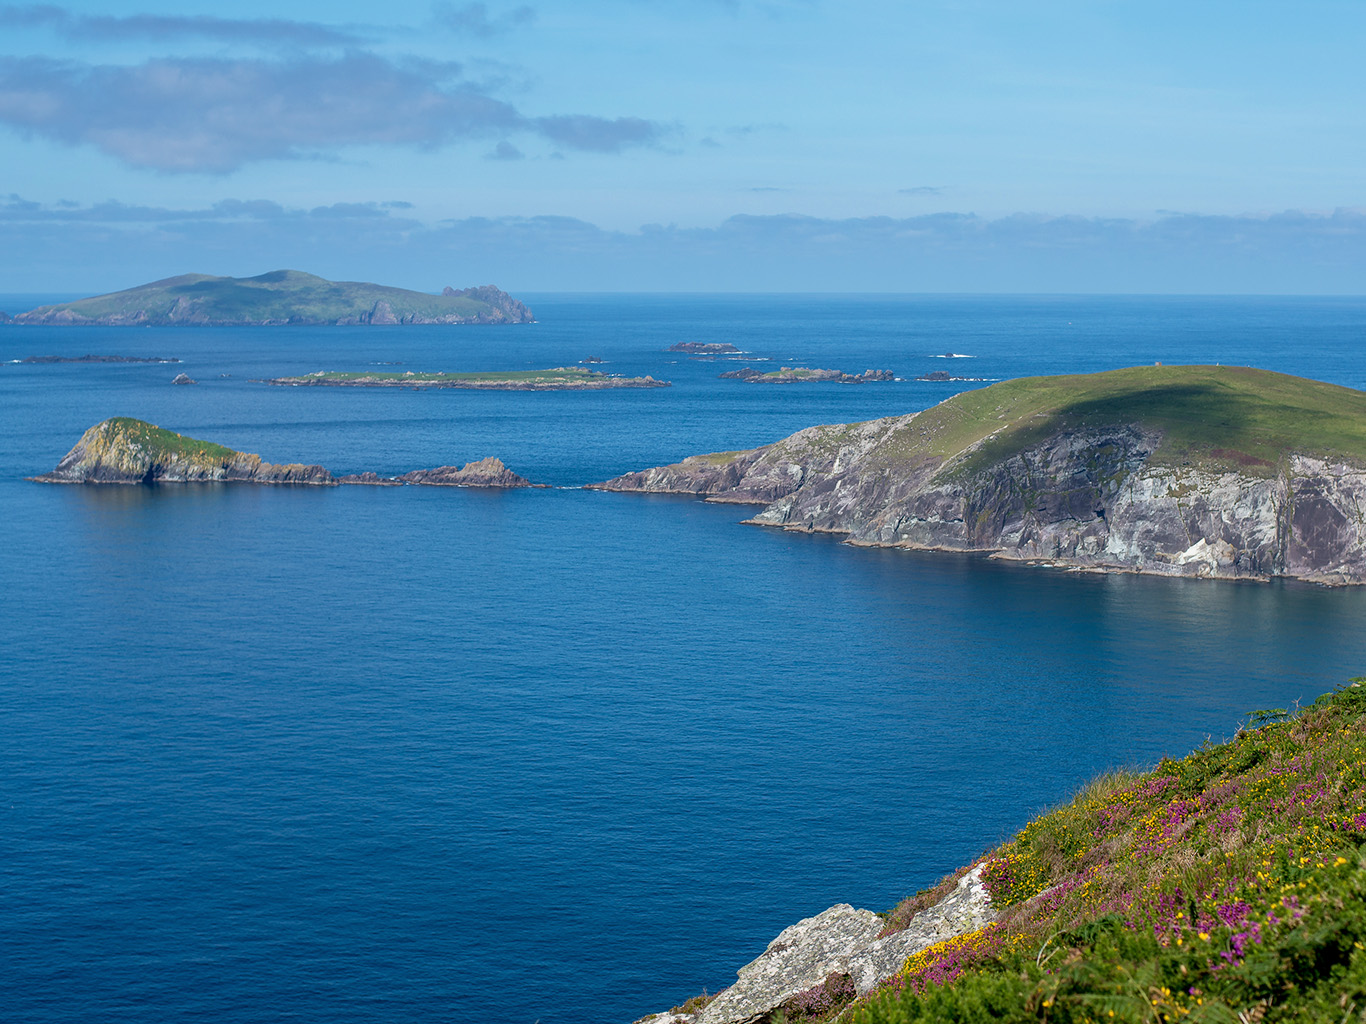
(1187, 471)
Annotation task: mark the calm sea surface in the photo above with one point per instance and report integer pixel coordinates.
(428, 754)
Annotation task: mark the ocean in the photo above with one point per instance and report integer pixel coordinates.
(397, 754)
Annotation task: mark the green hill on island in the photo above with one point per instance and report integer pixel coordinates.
(278, 298)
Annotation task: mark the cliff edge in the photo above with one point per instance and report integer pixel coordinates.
(1180, 470)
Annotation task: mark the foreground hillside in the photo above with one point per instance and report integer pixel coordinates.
(1179, 470)
(1228, 887)
(280, 297)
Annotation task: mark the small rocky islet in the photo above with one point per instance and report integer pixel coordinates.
(123, 450)
(560, 378)
(804, 375)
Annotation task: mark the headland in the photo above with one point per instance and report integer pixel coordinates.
(1175, 470)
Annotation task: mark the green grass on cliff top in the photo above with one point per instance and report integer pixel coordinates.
(280, 295)
(159, 441)
(1209, 416)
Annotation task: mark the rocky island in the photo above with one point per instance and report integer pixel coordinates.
(561, 378)
(123, 450)
(1175, 470)
(281, 297)
(703, 348)
(804, 375)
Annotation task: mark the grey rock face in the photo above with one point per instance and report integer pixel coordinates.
(964, 910)
(801, 956)
(1086, 498)
(840, 940)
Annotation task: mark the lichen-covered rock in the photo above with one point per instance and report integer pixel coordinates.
(802, 955)
(840, 941)
(964, 910)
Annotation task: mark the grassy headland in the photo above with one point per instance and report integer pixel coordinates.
(1208, 415)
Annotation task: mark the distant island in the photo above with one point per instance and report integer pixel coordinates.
(561, 378)
(804, 375)
(281, 297)
(124, 450)
(702, 348)
(1173, 470)
(97, 359)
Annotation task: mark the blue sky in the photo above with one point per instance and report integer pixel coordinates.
(927, 145)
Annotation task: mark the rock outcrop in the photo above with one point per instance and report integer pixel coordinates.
(488, 472)
(1113, 487)
(129, 451)
(841, 943)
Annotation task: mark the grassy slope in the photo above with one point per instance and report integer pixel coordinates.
(1228, 886)
(159, 442)
(1210, 416)
(278, 295)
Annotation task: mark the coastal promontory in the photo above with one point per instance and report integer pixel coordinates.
(123, 450)
(281, 297)
(1174, 470)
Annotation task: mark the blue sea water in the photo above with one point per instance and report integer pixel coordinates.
(554, 755)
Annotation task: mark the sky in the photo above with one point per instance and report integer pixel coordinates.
(689, 145)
